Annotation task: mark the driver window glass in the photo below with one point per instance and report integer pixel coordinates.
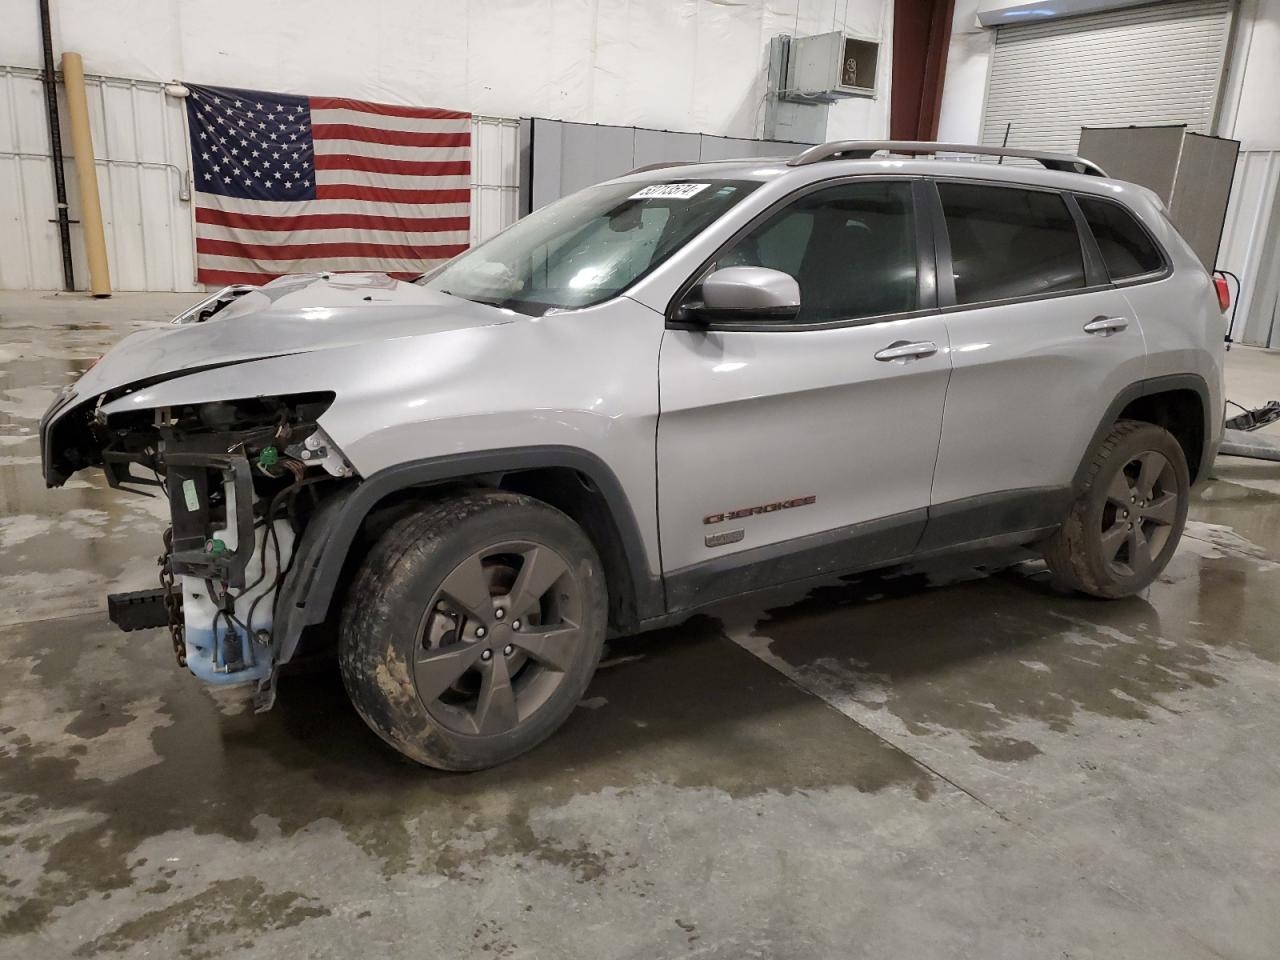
(851, 249)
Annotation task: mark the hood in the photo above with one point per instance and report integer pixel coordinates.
(294, 314)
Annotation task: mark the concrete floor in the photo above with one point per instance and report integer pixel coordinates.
(948, 764)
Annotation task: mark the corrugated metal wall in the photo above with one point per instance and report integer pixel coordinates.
(1251, 246)
(139, 141)
(1158, 63)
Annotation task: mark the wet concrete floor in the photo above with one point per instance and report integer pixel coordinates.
(958, 762)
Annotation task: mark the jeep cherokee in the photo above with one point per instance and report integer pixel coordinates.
(675, 387)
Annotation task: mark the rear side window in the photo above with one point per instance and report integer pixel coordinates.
(1126, 249)
(1007, 242)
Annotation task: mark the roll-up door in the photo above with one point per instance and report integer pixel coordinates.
(1153, 64)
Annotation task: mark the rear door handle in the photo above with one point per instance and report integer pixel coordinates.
(902, 351)
(1106, 326)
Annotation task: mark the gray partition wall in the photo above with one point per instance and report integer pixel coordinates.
(557, 157)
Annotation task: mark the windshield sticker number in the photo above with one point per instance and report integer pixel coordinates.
(669, 191)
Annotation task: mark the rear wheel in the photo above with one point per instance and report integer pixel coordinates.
(473, 629)
(1125, 526)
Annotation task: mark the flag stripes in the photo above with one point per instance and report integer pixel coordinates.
(288, 184)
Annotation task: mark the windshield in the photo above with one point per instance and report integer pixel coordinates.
(587, 247)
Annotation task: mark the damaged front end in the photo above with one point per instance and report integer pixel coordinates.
(242, 478)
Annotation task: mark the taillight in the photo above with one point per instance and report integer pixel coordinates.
(1224, 293)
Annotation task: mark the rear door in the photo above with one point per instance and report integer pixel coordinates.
(786, 449)
(1041, 344)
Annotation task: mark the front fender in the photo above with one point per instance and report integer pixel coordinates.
(307, 592)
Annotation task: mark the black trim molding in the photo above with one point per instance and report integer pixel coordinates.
(322, 550)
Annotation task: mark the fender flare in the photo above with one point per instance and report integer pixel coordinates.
(1146, 388)
(322, 550)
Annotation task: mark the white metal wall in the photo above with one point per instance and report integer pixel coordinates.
(1251, 246)
(1154, 64)
(139, 140)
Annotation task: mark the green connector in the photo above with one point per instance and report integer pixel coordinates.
(268, 458)
(215, 547)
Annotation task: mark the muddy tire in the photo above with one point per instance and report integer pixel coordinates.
(473, 628)
(1125, 525)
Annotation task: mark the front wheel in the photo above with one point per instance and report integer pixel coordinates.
(1125, 526)
(473, 628)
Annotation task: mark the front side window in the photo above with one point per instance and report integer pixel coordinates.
(850, 247)
(1126, 249)
(587, 247)
(1007, 242)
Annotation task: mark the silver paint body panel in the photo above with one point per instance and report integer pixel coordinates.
(697, 421)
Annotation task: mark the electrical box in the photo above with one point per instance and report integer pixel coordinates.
(1190, 172)
(830, 67)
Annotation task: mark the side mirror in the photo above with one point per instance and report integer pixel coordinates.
(746, 293)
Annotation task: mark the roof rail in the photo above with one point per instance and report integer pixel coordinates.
(864, 149)
(661, 164)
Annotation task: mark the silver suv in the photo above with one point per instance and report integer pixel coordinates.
(669, 389)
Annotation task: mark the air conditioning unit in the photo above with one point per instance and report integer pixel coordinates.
(829, 67)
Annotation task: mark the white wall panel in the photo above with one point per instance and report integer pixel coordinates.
(495, 176)
(140, 156)
(691, 65)
(1251, 246)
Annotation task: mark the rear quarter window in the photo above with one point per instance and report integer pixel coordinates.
(1126, 248)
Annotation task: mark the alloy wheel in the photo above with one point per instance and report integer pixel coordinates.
(498, 637)
(1139, 514)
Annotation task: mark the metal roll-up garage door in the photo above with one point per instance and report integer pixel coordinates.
(1154, 64)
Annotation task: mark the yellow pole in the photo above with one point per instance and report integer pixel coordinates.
(95, 244)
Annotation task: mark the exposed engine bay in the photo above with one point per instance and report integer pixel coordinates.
(242, 478)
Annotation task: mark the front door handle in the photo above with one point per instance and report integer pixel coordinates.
(1106, 326)
(902, 351)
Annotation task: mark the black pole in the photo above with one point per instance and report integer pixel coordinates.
(55, 145)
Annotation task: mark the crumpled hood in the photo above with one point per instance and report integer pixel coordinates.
(294, 314)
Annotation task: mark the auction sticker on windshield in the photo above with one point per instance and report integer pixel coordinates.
(669, 191)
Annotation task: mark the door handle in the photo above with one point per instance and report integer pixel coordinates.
(1106, 326)
(902, 351)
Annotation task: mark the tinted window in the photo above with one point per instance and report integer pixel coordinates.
(1007, 242)
(1126, 249)
(851, 248)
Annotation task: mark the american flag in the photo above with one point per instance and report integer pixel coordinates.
(290, 184)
